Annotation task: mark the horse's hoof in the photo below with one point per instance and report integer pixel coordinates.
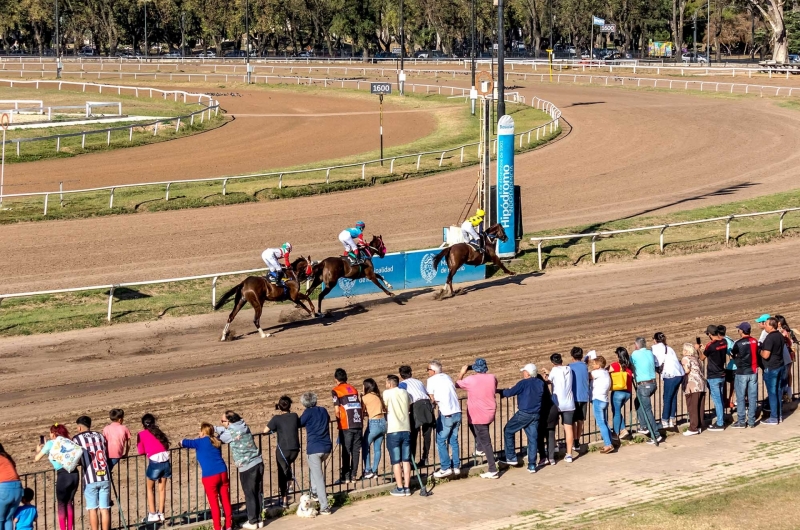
(389, 286)
(267, 335)
(318, 315)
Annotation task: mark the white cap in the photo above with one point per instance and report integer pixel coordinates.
(530, 368)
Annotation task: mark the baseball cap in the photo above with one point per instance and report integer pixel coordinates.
(763, 318)
(530, 368)
(712, 330)
(744, 326)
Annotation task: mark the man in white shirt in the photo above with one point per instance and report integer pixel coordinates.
(398, 434)
(442, 392)
(560, 377)
(422, 418)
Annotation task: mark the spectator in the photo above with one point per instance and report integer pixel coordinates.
(376, 427)
(67, 482)
(761, 321)
(215, 473)
(347, 409)
(644, 374)
(441, 390)
(621, 373)
(560, 377)
(286, 425)
(715, 353)
(671, 371)
(10, 489)
(601, 384)
(248, 460)
(580, 391)
(481, 405)
(529, 390)
(548, 423)
(422, 418)
(154, 443)
(316, 421)
(788, 357)
(118, 437)
(745, 357)
(96, 483)
(730, 370)
(398, 434)
(772, 355)
(694, 388)
(25, 514)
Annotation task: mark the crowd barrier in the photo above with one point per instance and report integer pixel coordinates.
(186, 502)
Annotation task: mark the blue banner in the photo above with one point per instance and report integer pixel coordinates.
(420, 271)
(597, 21)
(505, 185)
(391, 267)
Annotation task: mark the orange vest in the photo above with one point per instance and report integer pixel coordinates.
(345, 396)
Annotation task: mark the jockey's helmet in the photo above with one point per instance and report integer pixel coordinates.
(287, 247)
(480, 213)
(360, 224)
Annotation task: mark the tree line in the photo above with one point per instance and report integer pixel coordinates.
(363, 27)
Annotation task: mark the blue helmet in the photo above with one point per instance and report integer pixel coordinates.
(360, 224)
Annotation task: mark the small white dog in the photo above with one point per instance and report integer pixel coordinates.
(306, 507)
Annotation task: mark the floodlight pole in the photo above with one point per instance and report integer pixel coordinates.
(472, 56)
(501, 100)
(247, 33)
(402, 77)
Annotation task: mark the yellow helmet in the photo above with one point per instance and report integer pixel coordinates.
(480, 213)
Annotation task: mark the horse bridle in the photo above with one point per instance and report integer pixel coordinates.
(377, 250)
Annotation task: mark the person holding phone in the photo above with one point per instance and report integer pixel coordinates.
(481, 406)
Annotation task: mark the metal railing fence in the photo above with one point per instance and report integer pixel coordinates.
(186, 501)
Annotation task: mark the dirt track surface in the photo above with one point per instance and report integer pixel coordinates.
(177, 368)
(628, 153)
(277, 129)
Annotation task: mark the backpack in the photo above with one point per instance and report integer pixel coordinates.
(619, 380)
(66, 453)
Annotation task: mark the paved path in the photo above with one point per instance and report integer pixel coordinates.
(594, 483)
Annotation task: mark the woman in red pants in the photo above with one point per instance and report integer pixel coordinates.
(215, 473)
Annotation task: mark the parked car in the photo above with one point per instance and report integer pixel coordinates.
(208, 53)
(87, 52)
(690, 58)
(794, 58)
(235, 53)
(173, 54)
(384, 56)
(436, 54)
(305, 54)
(422, 54)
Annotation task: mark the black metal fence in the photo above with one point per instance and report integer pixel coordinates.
(186, 500)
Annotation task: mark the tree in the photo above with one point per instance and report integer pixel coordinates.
(772, 11)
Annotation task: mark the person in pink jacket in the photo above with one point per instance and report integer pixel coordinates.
(154, 443)
(481, 405)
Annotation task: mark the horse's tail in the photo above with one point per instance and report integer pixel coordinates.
(227, 296)
(438, 257)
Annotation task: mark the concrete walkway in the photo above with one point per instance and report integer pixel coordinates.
(560, 495)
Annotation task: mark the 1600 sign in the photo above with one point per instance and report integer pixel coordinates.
(380, 88)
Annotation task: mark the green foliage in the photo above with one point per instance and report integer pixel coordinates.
(793, 30)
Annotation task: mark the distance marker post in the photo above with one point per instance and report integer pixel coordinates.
(381, 89)
(4, 121)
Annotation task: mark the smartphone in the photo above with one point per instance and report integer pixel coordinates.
(41, 440)
(469, 368)
(699, 342)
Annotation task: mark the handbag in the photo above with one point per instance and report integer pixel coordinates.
(619, 380)
(66, 453)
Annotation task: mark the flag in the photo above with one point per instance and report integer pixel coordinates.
(597, 21)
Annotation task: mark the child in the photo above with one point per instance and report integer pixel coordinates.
(215, 473)
(601, 383)
(25, 514)
(117, 436)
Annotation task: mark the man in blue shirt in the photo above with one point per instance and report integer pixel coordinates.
(644, 375)
(580, 389)
(319, 447)
(529, 402)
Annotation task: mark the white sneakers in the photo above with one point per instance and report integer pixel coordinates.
(490, 474)
(687, 432)
(442, 473)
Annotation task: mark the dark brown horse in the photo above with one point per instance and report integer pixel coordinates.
(464, 254)
(330, 270)
(257, 290)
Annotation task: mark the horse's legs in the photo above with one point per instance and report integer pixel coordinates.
(381, 278)
(299, 299)
(323, 294)
(238, 303)
(257, 307)
(373, 276)
(497, 263)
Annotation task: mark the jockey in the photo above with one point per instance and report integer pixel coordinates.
(352, 238)
(471, 228)
(271, 257)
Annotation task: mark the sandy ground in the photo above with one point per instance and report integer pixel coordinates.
(179, 370)
(626, 153)
(269, 130)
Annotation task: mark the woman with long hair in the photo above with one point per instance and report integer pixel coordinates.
(374, 409)
(66, 482)
(694, 388)
(671, 377)
(215, 473)
(789, 355)
(286, 425)
(621, 389)
(10, 490)
(151, 441)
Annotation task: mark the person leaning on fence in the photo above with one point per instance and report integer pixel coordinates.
(789, 354)
(715, 354)
(560, 378)
(248, 460)
(216, 482)
(601, 384)
(621, 373)
(347, 409)
(481, 406)
(580, 391)
(10, 490)
(398, 434)
(376, 427)
(548, 423)
(644, 375)
(694, 388)
(96, 474)
(668, 365)
(745, 356)
(118, 437)
(286, 425)
(316, 421)
(153, 443)
(422, 418)
(67, 482)
(442, 391)
(729, 393)
(529, 391)
(774, 367)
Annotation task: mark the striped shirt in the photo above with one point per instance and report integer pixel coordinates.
(94, 460)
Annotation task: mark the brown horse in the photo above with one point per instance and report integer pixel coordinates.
(257, 290)
(465, 254)
(330, 270)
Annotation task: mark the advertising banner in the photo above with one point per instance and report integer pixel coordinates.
(597, 21)
(505, 185)
(391, 267)
(420, 271)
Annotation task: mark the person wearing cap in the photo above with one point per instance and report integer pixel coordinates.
(771, 351)
(644, 373)
(481, 405)
(745, 355)
(761, 321)
(529, 391)
(442, 392)
(715, 354)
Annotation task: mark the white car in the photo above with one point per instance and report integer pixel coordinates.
(207, 54)
(689, 58)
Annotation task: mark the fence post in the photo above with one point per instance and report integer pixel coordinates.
(110, 301)
(539, 252)
(728, 230)
(462, 154)
(166, 197)
(661, 239)
(111, 199)
(214, 292)
(46, 198)
(594, 249)
(280, 181)
(58, 144)
(328, 176)
(780, 226)
(108, 138)
(441, 158)
(419, 159)
(391, 167)
(155, 130)
(178, 125)
(224, 186)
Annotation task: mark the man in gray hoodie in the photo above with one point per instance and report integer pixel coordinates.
(247, 457)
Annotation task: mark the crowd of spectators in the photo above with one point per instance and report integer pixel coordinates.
(408, 410)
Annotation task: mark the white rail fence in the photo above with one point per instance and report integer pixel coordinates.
(662, 229)
(534, 134)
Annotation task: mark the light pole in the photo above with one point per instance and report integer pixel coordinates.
(501, 102)
(473, 94)
(58, 50)
(551, 29)
(247, 33)
(402, 76)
